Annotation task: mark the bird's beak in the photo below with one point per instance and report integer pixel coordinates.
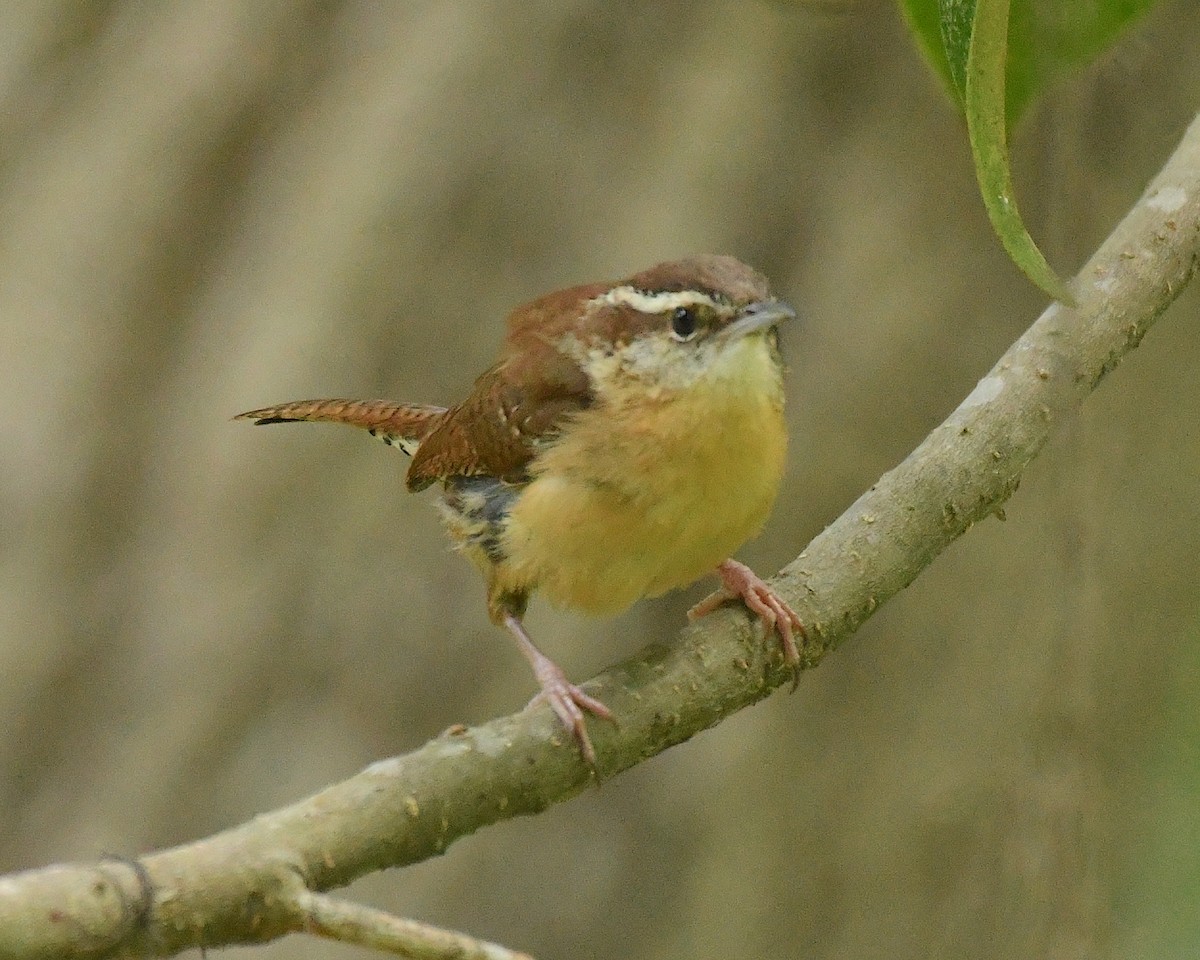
(760, 315)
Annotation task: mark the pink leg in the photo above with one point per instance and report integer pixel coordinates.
(739, 582)
(566, 700)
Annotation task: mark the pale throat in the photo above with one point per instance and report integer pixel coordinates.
(714, 381)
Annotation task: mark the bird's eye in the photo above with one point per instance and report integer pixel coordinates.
(683, 323)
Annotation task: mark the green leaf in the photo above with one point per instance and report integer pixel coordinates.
(955, 18)
(994, 59)
(1047, 39)
(984, 104)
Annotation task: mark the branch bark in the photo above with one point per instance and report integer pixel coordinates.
(242, 885)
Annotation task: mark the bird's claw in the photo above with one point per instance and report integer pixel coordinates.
(569, 702)
(739, 582)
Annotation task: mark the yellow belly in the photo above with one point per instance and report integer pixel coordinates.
(637, 499)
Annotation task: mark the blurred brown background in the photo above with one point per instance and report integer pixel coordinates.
(211, 205)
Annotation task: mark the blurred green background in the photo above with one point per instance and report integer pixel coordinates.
(211, 205)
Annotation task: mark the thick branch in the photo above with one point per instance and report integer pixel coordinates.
(238, 886)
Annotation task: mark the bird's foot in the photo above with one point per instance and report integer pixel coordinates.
(739, 582)
(563, 697)
(569, 703)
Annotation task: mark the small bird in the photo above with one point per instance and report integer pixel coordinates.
(628, 440)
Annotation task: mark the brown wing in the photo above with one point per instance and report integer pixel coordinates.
(519, 403)
(405, 424)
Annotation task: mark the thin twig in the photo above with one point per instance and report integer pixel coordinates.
(341, 920)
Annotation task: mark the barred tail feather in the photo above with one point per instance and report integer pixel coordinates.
(403, 425)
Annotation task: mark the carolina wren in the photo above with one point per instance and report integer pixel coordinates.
(627, 441)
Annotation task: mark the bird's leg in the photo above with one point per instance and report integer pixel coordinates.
(566, 699)
(739, 582)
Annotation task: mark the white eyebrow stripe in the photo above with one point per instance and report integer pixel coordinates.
(661, 302)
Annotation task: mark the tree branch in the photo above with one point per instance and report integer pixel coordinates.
(241, 885)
